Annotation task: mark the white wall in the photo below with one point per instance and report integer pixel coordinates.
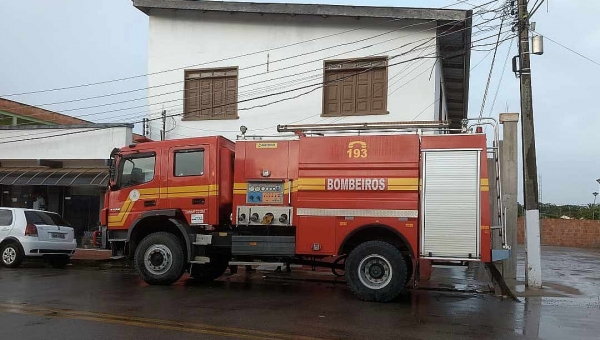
(62, 144)
(195, 39)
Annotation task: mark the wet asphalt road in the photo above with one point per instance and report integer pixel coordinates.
(44, 303)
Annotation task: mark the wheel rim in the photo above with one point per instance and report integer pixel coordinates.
(158, 259)
(375, 271)
(9, 255)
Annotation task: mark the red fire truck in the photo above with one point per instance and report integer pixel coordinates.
(374, 205)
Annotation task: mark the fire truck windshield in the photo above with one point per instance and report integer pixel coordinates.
(135, 169)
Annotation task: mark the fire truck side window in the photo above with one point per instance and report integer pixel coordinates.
(136, 170)
(189, 163)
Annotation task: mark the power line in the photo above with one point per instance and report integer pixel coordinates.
(501, 78)
(196, 65)
(487, 86)
(239, 101)
(286, 91)
(179, 99)
(257, 65)
(413, 78)
(278, 86)
(250, 84)
(167, 84)
(296, 97)
(52, 136)
(535, 8)
(570, 49)
(249, 76)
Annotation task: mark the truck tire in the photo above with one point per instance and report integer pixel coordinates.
(159, 259)
(11, 255)
(210, 271)
(376, 271)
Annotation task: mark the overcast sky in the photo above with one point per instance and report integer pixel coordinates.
(51, 44)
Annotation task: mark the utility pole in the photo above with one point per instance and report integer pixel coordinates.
(509, 186)
(163, 132)
(533, 262)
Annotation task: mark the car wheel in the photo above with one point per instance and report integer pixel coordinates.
(159, 259)
(59, 262)
(376, 271)
(12, 255)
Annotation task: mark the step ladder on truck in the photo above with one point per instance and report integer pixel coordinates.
(374, 200)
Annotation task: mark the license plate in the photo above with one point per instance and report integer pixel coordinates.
(57, 235)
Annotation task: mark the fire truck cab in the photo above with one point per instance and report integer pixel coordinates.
(372, 205)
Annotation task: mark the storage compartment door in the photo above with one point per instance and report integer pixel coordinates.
(450, 204)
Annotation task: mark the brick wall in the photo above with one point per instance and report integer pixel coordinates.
(565, 233)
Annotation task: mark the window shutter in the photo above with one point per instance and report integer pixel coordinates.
(363, 93)
(348, 84)
(331, 101)
(355, 87)
(206, 103)
(211, 94)
(379, 91)
(192, 98)
(231, 96)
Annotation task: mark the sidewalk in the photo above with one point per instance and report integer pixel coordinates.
(91, 254)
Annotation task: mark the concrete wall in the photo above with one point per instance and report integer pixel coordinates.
(196, 39)
(59, 144)
(565, 233)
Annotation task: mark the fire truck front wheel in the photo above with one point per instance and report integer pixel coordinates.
(159, 259)
(376, 271)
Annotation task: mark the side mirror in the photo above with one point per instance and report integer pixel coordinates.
(112, 172)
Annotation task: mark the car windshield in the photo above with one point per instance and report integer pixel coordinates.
(40, 217)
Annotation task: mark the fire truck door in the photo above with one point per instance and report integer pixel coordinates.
(188, 182)
(138, 181)
(450, 204)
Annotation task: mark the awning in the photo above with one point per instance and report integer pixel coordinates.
(52, 176)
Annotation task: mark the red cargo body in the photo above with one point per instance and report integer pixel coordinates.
(339, 185)
(354, 182)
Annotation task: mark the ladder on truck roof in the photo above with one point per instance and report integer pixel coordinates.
(352, 128)
(377, 126)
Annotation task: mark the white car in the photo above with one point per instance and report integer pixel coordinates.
(36, 234)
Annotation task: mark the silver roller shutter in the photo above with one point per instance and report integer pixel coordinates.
(450, 204)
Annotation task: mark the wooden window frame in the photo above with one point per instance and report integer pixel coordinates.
(185, 116)
(357, 68)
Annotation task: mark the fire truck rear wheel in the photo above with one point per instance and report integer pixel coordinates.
(376, 271)
(159, 259)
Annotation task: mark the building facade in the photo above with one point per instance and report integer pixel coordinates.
(55, 162)
(215, 66)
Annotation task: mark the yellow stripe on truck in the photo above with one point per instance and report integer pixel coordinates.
(166, 192)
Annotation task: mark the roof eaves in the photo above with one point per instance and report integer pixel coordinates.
(304, 9)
